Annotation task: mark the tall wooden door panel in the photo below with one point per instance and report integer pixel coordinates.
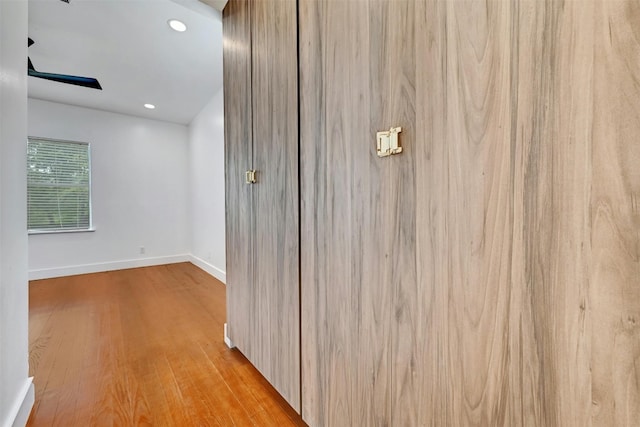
(408, 299)
(358, 214)
(275, 349)
(488, 274)
(238, 159)
(261, 131)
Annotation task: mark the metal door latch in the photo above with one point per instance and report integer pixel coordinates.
(250, 176)
(387, 142)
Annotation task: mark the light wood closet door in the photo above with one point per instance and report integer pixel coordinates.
(358, 76)
(261, 125)
(275, 349)
(238, 159)
(489, 274)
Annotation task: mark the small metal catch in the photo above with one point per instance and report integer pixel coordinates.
(250, 176)
(387, 142)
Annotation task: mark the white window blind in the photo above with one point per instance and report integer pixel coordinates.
(58, 185)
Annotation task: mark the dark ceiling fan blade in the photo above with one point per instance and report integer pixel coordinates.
(64, 78)
(89, 82)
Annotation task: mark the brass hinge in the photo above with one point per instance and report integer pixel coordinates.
(250, 176)
(387, 142)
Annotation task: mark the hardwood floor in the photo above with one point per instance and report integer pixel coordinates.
(142, 347)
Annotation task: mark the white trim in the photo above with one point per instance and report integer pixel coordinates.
(227, 340)
(216, 272)
(19, 414)
(68, 230)
(47, 273)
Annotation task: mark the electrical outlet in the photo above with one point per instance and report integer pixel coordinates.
(142, 250)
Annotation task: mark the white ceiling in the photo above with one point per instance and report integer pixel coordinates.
(128, 46)
(216, 4)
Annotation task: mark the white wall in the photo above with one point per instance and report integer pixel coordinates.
(16, 389)
(206, 183)
(139, 174)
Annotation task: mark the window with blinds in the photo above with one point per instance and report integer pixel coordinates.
(58, 185)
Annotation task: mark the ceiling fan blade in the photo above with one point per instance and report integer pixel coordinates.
(64, 78)
(89, 82)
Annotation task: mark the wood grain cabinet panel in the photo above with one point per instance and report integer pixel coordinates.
(238, 150)
(613, 298)
(261, 125)
(489, 274)
(275, 196)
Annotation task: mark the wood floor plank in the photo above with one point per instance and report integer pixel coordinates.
(142, 347)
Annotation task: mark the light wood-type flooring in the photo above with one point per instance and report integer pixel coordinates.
(142, 347)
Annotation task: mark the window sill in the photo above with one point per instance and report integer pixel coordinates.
(86, 230)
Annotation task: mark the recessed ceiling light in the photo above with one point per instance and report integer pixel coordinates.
(177, 25)
(149, 106)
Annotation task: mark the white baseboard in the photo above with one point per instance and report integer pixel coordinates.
(219, 274)
(48, 273)
(19, 413)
